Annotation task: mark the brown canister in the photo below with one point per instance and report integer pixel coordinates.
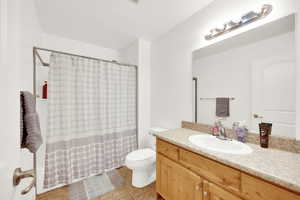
(264, 131)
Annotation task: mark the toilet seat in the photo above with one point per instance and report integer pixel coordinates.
(141, 154)
(140, 158)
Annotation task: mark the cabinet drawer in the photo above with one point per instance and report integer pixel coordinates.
(167, 149)
(214, 192)
(257, 189)
(215, 172)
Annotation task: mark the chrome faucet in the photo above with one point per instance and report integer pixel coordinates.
(223, 134)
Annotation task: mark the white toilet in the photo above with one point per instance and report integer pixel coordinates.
(142, 162)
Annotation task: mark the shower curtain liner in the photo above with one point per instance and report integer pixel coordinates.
(91, 118)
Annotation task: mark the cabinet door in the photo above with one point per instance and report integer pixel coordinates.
(165, 178)
(174, 182)
(256, 189)
(214, 192)
(189, 185)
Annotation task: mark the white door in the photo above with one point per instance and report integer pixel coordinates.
(274, 94)
(9, 101)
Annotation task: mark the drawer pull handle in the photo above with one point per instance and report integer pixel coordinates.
(205, 193)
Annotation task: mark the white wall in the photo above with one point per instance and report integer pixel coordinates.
(139, 53)
(33, 35)
(171, 70)
(77, 47)
(144, 92)
(30, 36)
(130, 54)
(229, 74)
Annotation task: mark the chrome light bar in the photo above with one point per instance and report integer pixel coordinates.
(248, 18)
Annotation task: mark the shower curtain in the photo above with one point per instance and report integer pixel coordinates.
(91, 118)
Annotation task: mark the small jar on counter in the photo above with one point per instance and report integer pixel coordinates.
(264, 132)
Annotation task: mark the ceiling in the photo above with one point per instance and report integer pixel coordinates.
(114, 23)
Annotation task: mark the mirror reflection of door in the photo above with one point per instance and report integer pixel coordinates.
(273, 94)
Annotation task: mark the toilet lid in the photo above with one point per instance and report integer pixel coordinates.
(141, 154)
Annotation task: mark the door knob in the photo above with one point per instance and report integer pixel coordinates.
(19, 175)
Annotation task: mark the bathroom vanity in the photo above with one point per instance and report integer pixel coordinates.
(185, 172)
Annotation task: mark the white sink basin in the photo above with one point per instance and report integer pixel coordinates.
(212, 143)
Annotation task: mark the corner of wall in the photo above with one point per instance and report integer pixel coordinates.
(139, 53)
(144, 64)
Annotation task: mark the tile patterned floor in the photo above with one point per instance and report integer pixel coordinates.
(126, 192)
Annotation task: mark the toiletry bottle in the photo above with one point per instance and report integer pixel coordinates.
(235, 127)
(215, 131)
(264, 132)
(45, 90)
(240, 130)
(216, 128)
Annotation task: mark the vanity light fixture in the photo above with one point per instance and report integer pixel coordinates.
(245, 19)
(135, 1)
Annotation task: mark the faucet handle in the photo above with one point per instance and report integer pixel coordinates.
(222, 131)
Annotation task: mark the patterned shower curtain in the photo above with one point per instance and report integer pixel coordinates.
(91, 118)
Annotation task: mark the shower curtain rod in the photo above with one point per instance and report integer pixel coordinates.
(45, 64)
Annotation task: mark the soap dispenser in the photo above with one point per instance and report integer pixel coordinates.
(240, 130)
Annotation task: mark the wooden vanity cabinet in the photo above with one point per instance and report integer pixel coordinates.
(184, 175)
(213, 171)
(256, 189)
(174, 182)
(214, 192)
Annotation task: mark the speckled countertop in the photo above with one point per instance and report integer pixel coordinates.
(280, 167)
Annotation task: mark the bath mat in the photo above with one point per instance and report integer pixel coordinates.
(77, 191)
(116, 179)
(96, 186)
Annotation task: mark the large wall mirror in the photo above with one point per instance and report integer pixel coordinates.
(256, 70)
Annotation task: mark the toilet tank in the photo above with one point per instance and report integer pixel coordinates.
(153, 138)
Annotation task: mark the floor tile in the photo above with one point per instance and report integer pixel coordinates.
(128, 192)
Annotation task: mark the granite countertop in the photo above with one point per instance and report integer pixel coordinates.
(280, 167)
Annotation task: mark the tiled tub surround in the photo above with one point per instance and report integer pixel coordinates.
(276, 166)
(275, 142)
